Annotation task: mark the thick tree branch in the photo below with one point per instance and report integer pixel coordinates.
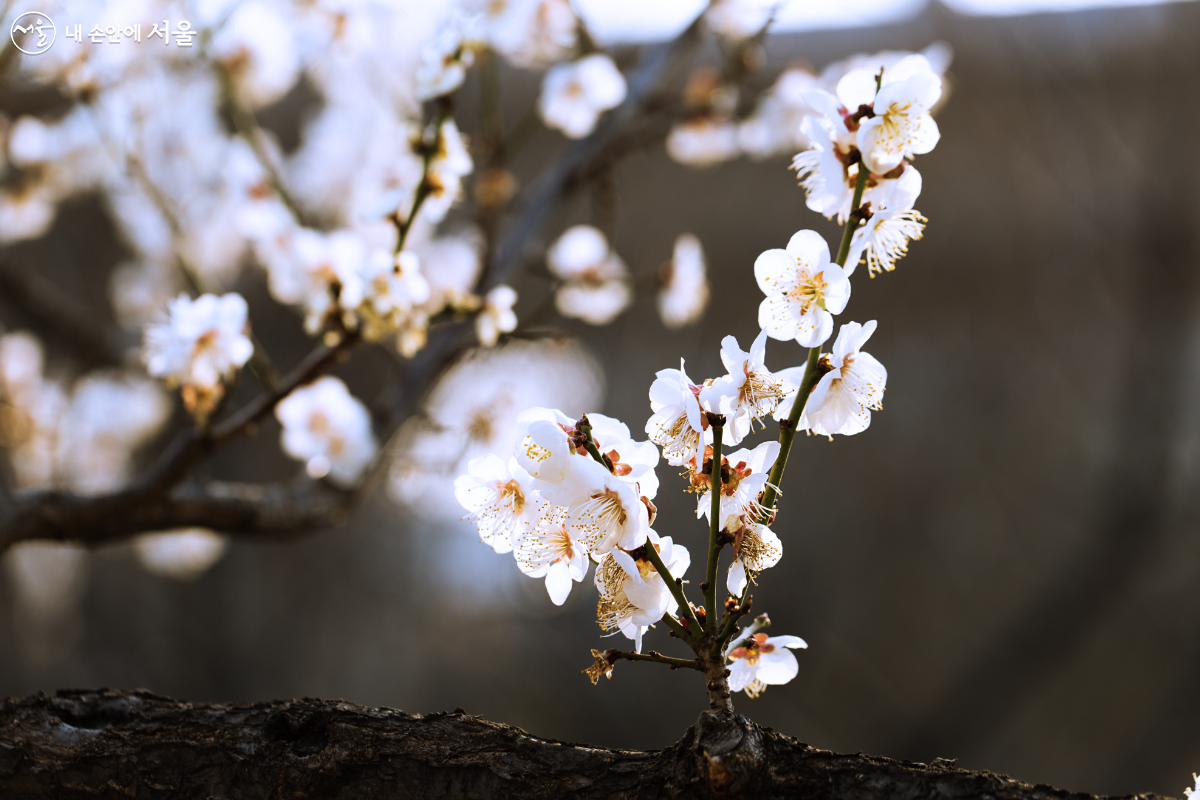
(114, 744)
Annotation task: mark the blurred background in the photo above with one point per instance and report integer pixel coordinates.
(1004, 569)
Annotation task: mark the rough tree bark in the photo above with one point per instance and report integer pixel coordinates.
(109, 744)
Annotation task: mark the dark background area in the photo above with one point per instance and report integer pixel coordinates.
(1004, 569)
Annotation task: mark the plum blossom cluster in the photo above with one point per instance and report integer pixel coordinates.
(578, 493)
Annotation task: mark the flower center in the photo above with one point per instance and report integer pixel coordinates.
(809, 290)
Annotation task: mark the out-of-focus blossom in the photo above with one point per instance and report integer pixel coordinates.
(392, 286)
(319, 272)
(261, 67)
(329, 430)
(760, 661)
(774, 127)
(803, 288)
(1194, 792)
(473, 410)
(202, 342)
(500, 497)
(48, 581)
(851, 386)
(633, 596)
(735, 20)
(684, 293)
(445, 60)
(109, 417)
(704, 141)
(451, 265)
(574, 95)
(450, 164)
(182, 555)
(893, 223)
(532, 34)
(596, 287)
(81, 439)
(496, 316)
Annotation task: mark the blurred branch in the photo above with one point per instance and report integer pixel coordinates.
(149, 502)
(233, 508)
(62, 316)
(321, 748)
(579, 158)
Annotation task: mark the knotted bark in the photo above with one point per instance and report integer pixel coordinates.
(110, 744)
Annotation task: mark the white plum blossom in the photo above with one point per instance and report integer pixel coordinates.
(1193, 793)
(684, 293)
(633, 596)
(893, 223)
(900, 125)
(759, 661)
(678, 424)
(704, 141)
(803, 288)
(603, 510)
(596, 280)
(824, 169)
(744, 475)
(547, 549)
(496, 316)
(851, 386)
(202, 342)
(574, 95)
(329, 430)
(543, 448)
(748, 393)
(501, 498)
(755, 548)
(790, 380)
(446, 59)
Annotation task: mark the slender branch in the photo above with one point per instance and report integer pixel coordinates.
(247, 127)
(787, 429)
(787, 432)
(852, 223)
(654, 657)
(675, 627)
(717, 423)
(430, 148)
(676, 588)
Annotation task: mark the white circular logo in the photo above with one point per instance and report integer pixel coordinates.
(32, 33)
